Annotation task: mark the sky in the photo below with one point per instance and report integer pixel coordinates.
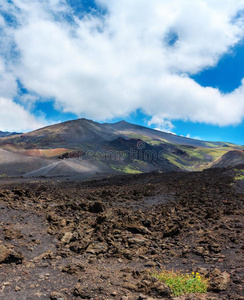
(176, 66)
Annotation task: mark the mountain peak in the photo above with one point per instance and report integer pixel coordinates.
(121, 122)
(5, 134)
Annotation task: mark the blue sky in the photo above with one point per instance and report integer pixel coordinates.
(170, 67)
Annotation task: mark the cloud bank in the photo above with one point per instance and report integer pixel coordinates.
(137, 55)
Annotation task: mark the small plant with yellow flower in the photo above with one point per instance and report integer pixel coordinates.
(183, 283)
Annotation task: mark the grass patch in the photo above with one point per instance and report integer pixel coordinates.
(145, 138)
(197, 159)
(174, 159)
(239, 174)
(211, 145)
(131, 170)
(126, 169)
(239, 177)
(183, 283)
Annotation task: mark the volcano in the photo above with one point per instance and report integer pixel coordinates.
(93, 148)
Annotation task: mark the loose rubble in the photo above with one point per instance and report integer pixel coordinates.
(102, 239)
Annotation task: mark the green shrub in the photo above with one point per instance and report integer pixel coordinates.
(183, 283)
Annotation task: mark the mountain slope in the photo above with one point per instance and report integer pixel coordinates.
(3, 134)
(68, 134)
(16, 164)
(112, 148)
(81, 132)
(128, 130)
(230, 159)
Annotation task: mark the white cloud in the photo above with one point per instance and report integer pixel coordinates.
(160, 124)
(105, 67)
(14, 118)
(193, 137)
(8, 84)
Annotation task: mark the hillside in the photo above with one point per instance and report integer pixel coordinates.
(231, 158)
(3, 134)
(107, 148)
(81, 132)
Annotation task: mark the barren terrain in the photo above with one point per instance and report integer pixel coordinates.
(102, 239)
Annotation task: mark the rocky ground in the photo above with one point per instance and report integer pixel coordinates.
(102, 239)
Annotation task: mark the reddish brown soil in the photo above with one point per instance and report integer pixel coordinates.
(100, 239)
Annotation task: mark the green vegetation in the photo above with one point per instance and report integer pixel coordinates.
(239, 174)
(211, 145)
(239, 177)
(129, 169)
(196, 159)
(3, 175)
(157, 142)
(183, 283)
(174, 159)
(201, 152)
(140, 162)
(146, 139)
(190, 163)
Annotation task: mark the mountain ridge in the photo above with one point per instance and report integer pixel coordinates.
(119, 147)
(118, 128)
(6, 133)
